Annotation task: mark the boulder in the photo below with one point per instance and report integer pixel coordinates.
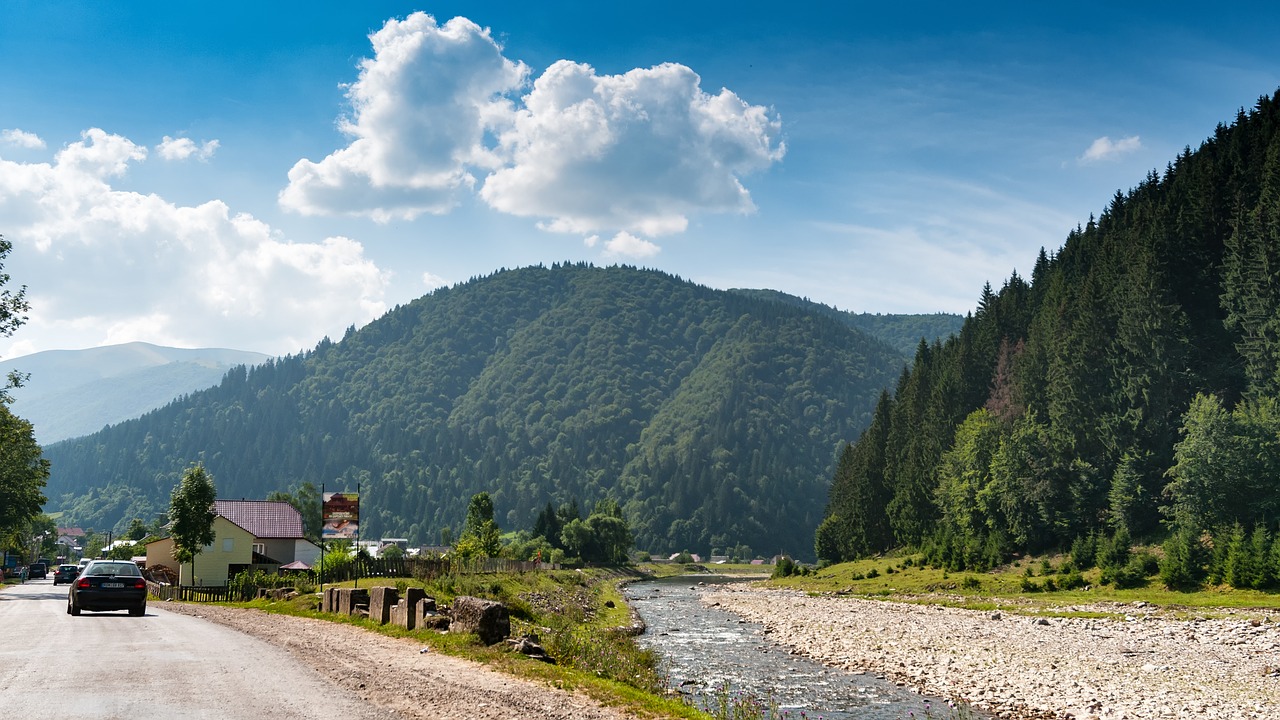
(487, 619)
(528, 646)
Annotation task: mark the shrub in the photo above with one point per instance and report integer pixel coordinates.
(1029, 586)
(1071, 581)
(971, 582)
(786, 567)
(873, 573)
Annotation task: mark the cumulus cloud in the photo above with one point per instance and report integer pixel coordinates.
(183, 148)
(420, 111)
(624, 244)
(435, 109)
(640, 152)
(22, 139)
(1104, 148)
(115, 265)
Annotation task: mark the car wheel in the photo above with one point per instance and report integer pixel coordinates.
(72, 608)
(140, 610)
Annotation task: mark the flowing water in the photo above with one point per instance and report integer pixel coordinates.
(705, 649)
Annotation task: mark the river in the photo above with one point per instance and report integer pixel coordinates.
(705, 649)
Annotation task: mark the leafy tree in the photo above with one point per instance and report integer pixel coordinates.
(191, 514)
(305, 498)
(480, 530)
(137, 530)
(603, 537)
(23, 471)
(13, 306)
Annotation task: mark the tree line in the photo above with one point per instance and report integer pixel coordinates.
(1128, 387)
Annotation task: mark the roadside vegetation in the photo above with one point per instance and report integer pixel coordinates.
(579, 616)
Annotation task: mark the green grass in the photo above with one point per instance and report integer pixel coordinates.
(902, 578)
(569, 612)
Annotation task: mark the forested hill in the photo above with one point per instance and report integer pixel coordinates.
(902, 332)
(712, 418)
(1131, 380)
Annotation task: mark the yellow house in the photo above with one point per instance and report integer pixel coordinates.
(230, 552)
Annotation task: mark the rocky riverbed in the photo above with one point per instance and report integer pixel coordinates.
(1142, 665)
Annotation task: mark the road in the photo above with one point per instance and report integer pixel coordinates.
(163, 665)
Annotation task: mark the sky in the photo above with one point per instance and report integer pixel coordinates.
(261, 175)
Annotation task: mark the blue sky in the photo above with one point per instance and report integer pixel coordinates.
(260, 175)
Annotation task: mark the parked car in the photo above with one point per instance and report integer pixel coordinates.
(109, 585)
(83, 562)
(65, 574)
(37, 570)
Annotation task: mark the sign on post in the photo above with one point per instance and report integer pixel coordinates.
(341, 514)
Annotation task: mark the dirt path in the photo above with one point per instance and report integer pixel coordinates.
(394, 674)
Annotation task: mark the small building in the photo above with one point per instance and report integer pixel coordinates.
(247, 534)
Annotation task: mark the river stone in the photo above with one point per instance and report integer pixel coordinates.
(486, 618)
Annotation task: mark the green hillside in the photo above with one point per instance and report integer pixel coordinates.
(902, 332)
(713, 418)
(1130, 385)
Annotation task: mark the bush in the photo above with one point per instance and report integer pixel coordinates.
(873, 573)
(1071, 581)
(970, 582)
(1029, 586)
(786, 567)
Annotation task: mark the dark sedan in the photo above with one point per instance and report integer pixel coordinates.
(65, 574)
(109, 585)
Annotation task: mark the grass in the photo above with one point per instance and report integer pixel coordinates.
(901, 577)
(570, 613)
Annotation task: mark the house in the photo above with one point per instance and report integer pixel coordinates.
(248, 534)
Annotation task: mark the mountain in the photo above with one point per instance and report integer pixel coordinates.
(712, 418)
(902, 332)
(75, 392)
(1130, 384)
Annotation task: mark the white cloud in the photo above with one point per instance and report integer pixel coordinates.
(183, 148)
(433, 281)
(591, 240)
(22, 139)
(624, 244)
(421, 107)
(639, 152)
(1104, 148)
(107, 265)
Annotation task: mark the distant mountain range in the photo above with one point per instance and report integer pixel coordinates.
(76, 392)
(712, 417)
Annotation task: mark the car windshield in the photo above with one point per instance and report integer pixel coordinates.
(113, 569)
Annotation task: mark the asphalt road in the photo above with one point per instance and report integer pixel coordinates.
(164, 665)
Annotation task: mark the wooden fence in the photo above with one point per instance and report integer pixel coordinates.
(188, 594)
(362, 567)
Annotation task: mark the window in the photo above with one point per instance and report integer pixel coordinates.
(228, 544)
(260, 548)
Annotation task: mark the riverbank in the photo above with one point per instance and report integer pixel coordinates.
(1142, 665)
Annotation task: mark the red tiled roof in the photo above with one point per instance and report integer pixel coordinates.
(263, 518)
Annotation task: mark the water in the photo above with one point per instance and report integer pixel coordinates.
(704, 648)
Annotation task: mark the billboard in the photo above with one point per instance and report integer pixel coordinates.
(341, 515)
